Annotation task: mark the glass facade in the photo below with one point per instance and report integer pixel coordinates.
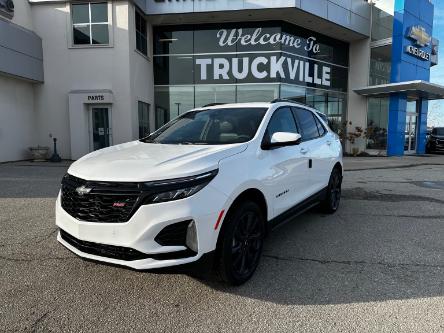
(380, 71)
(258, 62)
(377, 123)
(382, 19)
(380, 64)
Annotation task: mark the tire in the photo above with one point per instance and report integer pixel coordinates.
(241, 243)
(333, 197)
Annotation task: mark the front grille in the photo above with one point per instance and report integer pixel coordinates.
(120, 252)
(108, 202)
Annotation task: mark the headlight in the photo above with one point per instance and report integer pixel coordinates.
(175, 189)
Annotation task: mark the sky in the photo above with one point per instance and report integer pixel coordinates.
(436, 108)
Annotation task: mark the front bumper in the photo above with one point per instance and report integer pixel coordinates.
(101, 241)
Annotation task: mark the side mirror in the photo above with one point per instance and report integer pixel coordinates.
(282, 139)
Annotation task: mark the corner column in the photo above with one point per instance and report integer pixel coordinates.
(396, 124)
(423, 106)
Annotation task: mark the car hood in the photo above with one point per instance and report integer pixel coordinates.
(138, 161)
(434, 136)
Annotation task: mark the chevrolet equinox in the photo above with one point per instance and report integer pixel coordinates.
(209, 184)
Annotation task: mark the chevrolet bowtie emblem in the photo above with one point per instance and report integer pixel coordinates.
(419, 35)
(82, 190)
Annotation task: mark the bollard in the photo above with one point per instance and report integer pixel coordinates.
(55, 157)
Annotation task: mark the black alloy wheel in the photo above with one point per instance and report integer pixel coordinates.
(242, 242)
(333, 197)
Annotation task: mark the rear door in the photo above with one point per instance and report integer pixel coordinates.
(315, 145)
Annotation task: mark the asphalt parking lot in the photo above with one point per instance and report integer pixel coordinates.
(375, 266)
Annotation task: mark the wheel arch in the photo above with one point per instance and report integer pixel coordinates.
(252, 194)
(338, 165)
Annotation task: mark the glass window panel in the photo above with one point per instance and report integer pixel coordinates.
(172, 101)
(294, 93)
(173, 42)
(380, 65)
(281, 121)
(99, 12)
(206, 94)
(307, 124)
(257, 92)
(80, 13)
(206, 41)
(382, 20)
(143, 112)
(330, 50)
(377, 122)
(100, 34)
(173, 70)
(81, 34)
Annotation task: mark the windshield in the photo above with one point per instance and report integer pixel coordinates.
(438, 131)
(210, 127)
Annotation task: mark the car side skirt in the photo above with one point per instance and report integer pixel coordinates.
(298, 209)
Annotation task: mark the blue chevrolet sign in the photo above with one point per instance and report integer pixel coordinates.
(412, 53)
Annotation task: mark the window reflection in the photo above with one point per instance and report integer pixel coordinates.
(257, 93)
(206, 94)
(380, 65)
(377, 122)
(193, 67)
(171, 102)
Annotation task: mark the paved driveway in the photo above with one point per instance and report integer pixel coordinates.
(376, 265)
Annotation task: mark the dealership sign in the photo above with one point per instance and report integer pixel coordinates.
(421, 39)
(263, 66)
(258, 37)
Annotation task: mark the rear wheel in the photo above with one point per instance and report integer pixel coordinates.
(241, 243)
(333, 197)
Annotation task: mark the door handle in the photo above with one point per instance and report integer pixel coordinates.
(304, 151)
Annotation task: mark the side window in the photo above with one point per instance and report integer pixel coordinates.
(282, 120)
(321, 128)
(90, 23)
(307, 122)
(141, 33)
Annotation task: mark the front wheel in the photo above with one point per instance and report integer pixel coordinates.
(241, 243)
(331, 202)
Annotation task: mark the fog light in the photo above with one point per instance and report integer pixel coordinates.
(191, 240)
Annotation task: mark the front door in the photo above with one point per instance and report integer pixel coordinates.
(283, 169)
(100, 128)
(410, 127)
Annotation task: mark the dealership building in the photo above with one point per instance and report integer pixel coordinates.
(98, 73)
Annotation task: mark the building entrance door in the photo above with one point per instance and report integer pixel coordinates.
(411, 129)
(100, 129)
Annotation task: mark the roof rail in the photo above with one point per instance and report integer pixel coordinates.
(278, 100)
(212, 104)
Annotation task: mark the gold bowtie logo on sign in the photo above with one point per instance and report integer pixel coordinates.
(420, 36)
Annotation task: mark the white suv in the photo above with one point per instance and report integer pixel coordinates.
(207, 186)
